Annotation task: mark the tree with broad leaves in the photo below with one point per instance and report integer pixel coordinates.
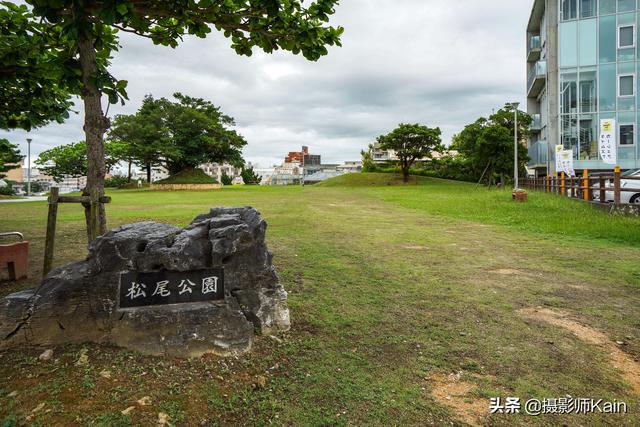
(86, 31)
(144, 136)
(179, 135)
(70, 160)
(32, 65)
(10, 156)
(199, 133)
(487, 144)
(411, 142)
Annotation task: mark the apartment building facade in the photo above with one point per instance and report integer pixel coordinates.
(583, 58)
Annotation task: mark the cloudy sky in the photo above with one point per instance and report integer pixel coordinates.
(436, 62)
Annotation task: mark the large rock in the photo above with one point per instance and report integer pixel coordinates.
(79, 302)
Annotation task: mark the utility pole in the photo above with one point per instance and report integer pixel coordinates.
(28, 166)
(515, 145)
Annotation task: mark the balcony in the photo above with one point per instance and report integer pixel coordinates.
(536, 124)
(536, 78)
(538, 154)
(534, 49)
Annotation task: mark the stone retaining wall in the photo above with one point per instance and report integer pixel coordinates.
(173, 187)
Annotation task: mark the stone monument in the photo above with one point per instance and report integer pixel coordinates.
(160, 290)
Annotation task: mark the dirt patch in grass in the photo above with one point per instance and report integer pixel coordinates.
(457, 395)
(628, 367)
(415, 247)
(507, 272)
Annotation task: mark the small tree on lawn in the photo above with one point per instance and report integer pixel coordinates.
(83, 38)
(70, 160)
(249, 176)
(368, 164)
(10, 157)
(410, 143)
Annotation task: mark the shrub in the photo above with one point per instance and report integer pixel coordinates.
(36, 187)
(189, 176)
(226, 179)
(116, 181)
(8, 190)
(249, 176)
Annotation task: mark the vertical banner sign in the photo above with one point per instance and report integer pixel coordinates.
(607, 145)
(564, 161)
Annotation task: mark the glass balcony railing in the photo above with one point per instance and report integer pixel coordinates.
(535, 43)
(536, 124)
(536, 71)
(538, 153)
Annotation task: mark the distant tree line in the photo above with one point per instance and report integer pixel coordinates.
(178, 135)
(484, 150)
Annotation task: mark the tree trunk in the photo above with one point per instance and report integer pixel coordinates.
(129, 171)
(95, 125)
(149, 173)
(405, 172)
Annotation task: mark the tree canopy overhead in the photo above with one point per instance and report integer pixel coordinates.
(31, 69)
(83, 38)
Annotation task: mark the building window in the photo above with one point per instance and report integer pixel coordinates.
(627, 133)
(626, 5)
(569, 9)
(626, 85)
(626, 36)
(587, 8)
(588, 92)
(569, 93)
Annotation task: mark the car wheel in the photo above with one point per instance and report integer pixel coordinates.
(635, 199)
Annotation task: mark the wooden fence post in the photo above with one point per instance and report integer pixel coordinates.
(616, 186)
(603, 196)
(562, 185)
(585, 184)
(51, 231)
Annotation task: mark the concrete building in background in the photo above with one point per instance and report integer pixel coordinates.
(582, 67)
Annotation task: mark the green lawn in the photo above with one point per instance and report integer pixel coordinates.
(406, 305)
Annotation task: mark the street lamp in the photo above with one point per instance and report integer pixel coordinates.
(28, 166)
(515, 106)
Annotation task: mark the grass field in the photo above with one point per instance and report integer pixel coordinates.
(410, 305)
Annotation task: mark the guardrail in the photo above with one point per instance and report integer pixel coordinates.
(587, 188)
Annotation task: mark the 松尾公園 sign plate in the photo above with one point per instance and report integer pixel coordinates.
(170, 287)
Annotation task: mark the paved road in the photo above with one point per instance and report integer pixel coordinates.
(26, 199)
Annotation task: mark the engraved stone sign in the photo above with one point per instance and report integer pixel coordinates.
(160, 290)
(170, 287)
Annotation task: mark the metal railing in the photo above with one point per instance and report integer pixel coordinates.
(585, 187)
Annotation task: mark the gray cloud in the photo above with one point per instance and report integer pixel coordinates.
(438, 62)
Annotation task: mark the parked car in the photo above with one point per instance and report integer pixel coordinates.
(626, 197)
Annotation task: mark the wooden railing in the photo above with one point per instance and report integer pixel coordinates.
(585, 187)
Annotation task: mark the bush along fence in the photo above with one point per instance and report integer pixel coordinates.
(598, 188)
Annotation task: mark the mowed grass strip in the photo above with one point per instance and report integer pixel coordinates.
(389, 285)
